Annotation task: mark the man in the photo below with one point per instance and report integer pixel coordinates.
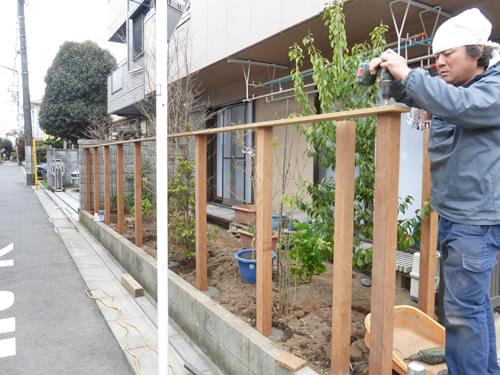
(464, 149)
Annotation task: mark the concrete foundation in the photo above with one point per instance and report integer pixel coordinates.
(234, 346)
(136, 261)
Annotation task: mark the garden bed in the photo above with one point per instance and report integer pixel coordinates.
(306, 329)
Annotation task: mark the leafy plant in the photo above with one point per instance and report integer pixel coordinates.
(337, 91)
(181, 199)
(308, 250)
(147, 193)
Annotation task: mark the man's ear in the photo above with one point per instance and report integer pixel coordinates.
(481, 50)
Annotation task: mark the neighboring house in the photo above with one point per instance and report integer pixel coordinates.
(239, 55)
(37, 132)
(131, 86)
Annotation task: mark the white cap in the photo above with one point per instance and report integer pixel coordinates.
(469, 27)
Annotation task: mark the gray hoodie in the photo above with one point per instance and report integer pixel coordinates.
(464, 144)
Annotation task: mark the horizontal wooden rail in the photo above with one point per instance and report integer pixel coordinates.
(149, 139)
(334, 116)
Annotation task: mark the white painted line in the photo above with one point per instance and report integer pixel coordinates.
(6, 299)
(7, 347)
(7, 325)
(6, 249)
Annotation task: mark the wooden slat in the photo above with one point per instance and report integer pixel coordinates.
(138, 193)
(115, 143)
(96, 179)
(290, 361)
(87, 179)
(334, 116)
(107, 193)
(343, 241)
(384, 243)
(120, 189)
(263, 197)
(201, 212)
(428, 242)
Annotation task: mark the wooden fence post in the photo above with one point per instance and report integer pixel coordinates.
(87, 178)
(201, 212)
(120, 189)
(138, 193)
(96, 179)
(384, 243)
(428, 242)
(343, 241)
(107, 195)
(263, 197)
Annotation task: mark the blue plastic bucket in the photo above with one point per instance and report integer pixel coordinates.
(248, 266)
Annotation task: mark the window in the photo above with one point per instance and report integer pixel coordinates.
(138, 35)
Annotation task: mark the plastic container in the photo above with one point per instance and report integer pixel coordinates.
(248, 264)
(413, 331)
(415, 275)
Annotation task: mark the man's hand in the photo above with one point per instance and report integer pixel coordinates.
(391, 61)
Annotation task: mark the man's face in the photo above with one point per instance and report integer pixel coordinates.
(455, 66)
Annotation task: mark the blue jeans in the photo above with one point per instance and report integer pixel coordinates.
(468, 253)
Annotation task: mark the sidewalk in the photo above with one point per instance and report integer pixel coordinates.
(58, 329)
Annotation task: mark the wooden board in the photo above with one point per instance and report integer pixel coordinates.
(96, 179)
(343, 242)
(428, 241)
(333, 116)
(133, 287)
(107, 183)
(138, 193)
(120, 189)
(201, 212)
(87, 179)
(290, 361)
(263, 197)
(384, 242)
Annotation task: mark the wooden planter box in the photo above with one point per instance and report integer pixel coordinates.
(245, 214)
(247, 237)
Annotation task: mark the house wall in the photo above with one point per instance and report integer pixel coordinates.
(117, 14)
(223, 27)
(290, 142)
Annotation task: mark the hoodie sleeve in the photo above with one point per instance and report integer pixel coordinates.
(477, 105)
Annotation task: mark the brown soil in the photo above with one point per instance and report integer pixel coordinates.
(306, 328)
(148, 230)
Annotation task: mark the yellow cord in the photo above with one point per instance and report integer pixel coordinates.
(122, 323)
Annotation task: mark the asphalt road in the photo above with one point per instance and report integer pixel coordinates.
(58, 330)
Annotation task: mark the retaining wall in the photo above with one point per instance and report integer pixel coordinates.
(136, 261)
(234, 346)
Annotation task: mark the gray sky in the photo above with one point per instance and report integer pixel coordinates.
(49, 23)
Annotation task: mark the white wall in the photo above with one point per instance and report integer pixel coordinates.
(117, 15)
(220, 28)
(410, 165)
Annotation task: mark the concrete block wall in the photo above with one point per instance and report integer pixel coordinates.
(148, 152)
(70, 160)
(136, 261)
(234, 346)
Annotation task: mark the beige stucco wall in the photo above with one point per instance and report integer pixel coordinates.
(289, 138)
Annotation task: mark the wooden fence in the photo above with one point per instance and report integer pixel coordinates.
(385, 229)
(92, 169)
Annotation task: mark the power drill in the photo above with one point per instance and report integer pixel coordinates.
(365, 78)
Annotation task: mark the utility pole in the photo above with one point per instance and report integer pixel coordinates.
(26, 94)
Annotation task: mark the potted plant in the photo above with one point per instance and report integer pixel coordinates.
(245, 213)
(247, 237)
